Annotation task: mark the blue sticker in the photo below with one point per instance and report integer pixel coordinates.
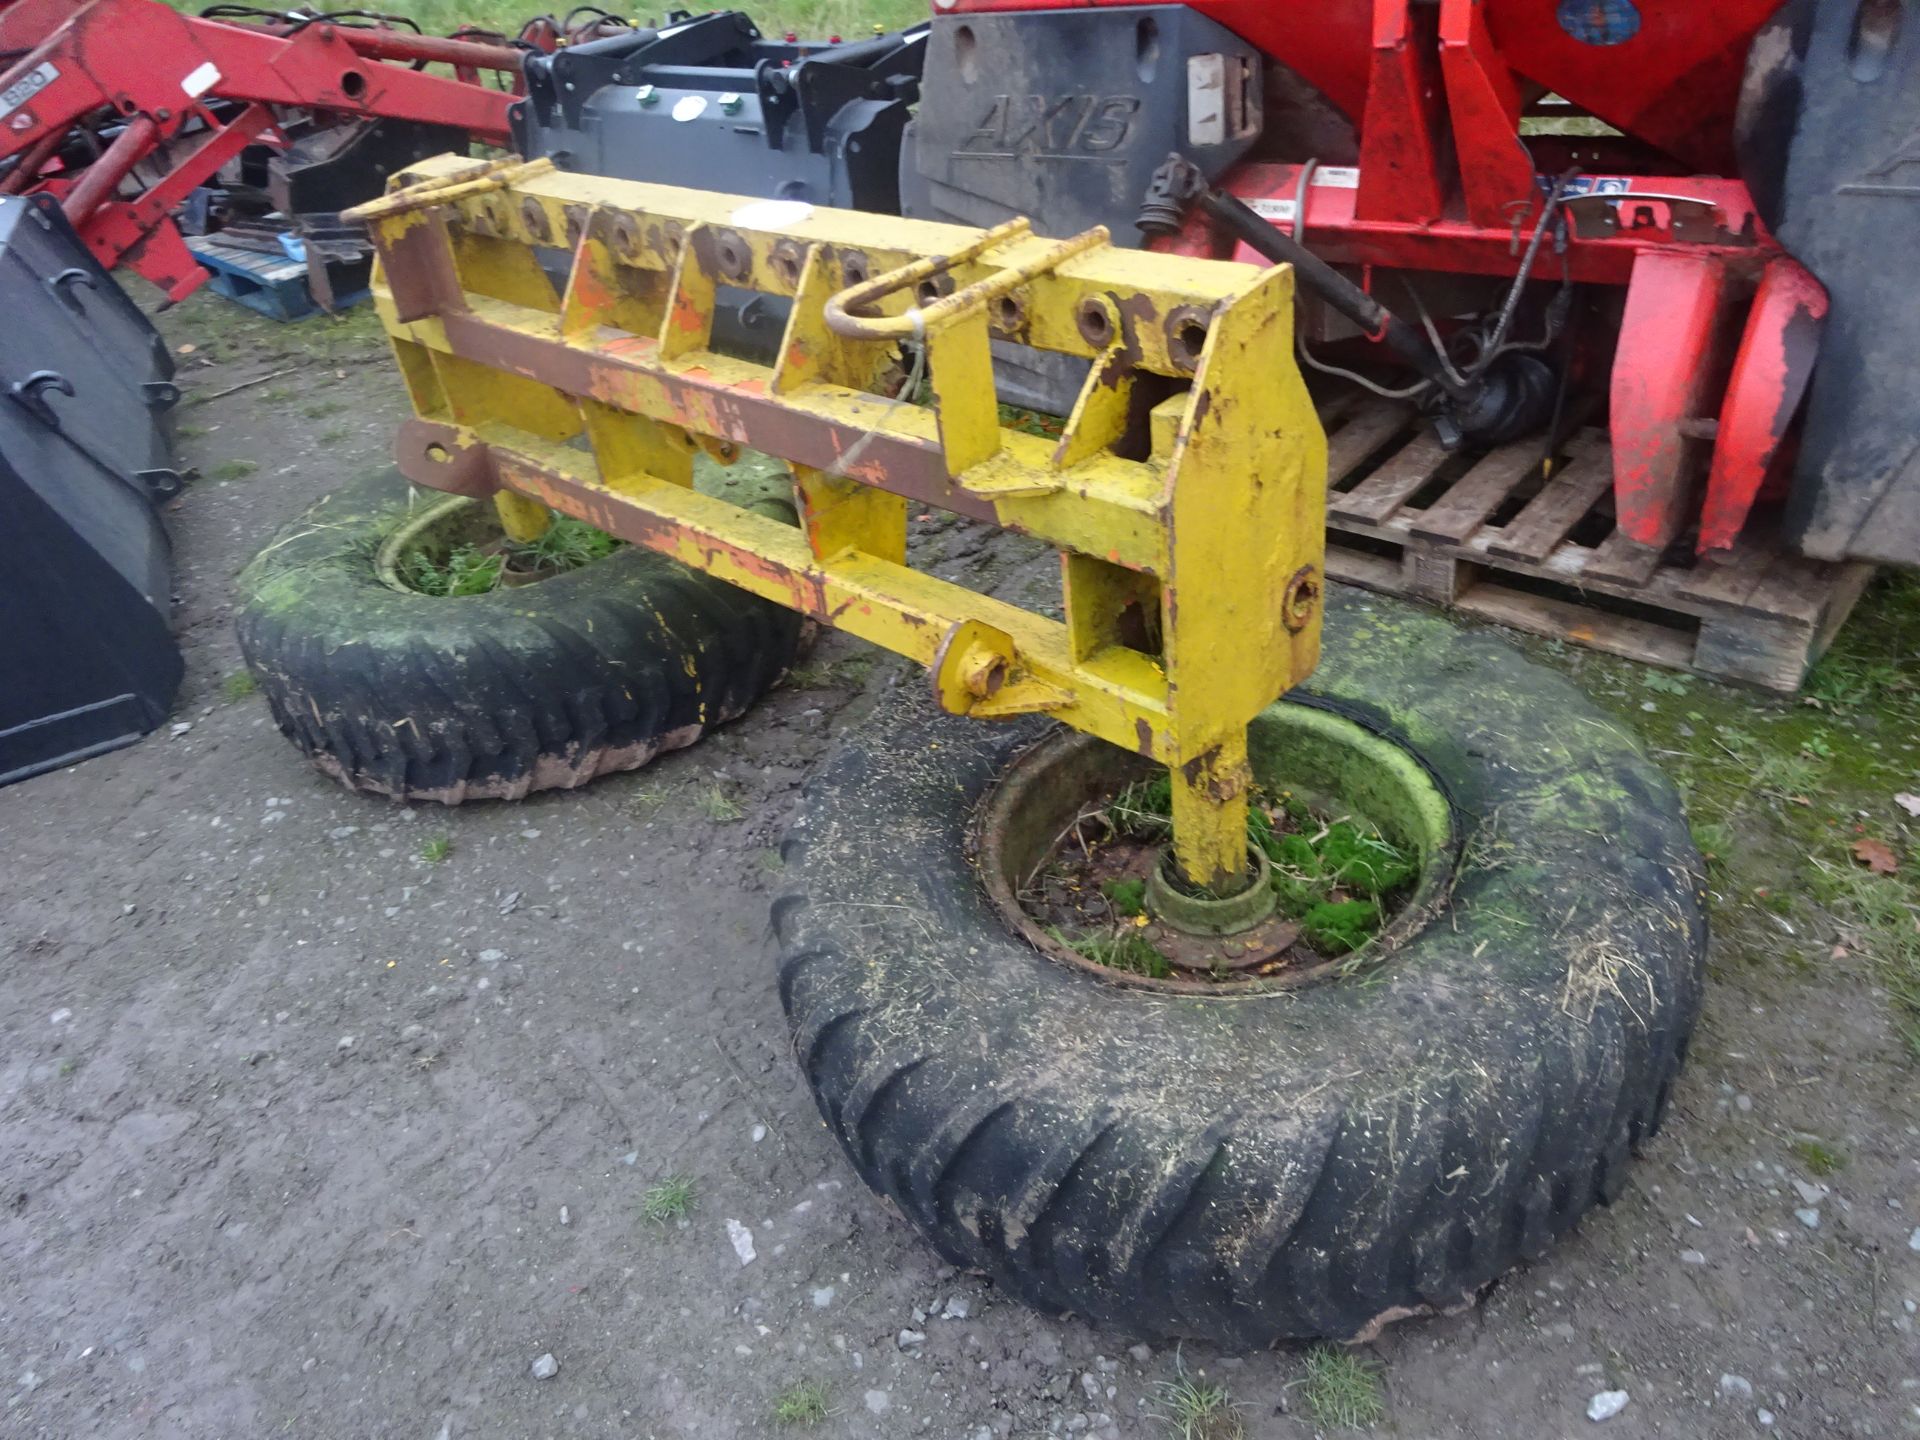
(1600, 22)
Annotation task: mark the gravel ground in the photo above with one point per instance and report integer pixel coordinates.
(304, 1134)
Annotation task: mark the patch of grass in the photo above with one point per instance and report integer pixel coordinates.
(233, 469)
(1194, 1409)
(465, 570)
(809, 676)
(1339, 927)
(567, 544)
(436, 848)
(1879, 916)
(719, 806)
(187, 430)
(1335, 877)
(1125, 948)
(1787, 777)
(1031, 422)
(669, 1200)
(326, 409)
(1714, 841)
(1340, 1388)
(802, 1403)
(239, 685)
(853, 671)
(1820, 1159)
(334, 435)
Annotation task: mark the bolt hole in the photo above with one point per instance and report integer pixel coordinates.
(1008, 310)
(353, 84)
(1189, 340)
(1876, 26)
(437, 453)
(1095, 328)
(1146, 49)
(854, 268)
(928, 292)
(966, 54)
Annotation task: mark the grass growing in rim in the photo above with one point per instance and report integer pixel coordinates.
(239, 685)
(436, 848)
(466, 570)
(1333, 876)
(802, 1403)
(1341, 1389)
(1123, 949)
(567, 544)
(1196, 1409)
(669, 1200)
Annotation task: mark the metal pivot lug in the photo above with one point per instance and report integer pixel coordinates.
(973, 663)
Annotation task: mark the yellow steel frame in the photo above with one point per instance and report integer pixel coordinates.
(1186, 493)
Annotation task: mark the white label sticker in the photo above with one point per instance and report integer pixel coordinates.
(771, 214)
(27, 86)
(1339, 177)
(1272, 209)
(689, 107)
(1206, 99)
(201, 79)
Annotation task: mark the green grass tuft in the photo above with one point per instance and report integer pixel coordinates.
(239, 685)
(1194, 1409)
(1821, 1160)
(1128, 897)
(233, 469)
(668, 1201)
(802, 1403)
(1124, 949)
(1339, 927)
(718, 806)
(436, 848)
(466, 570)
(567, 544)
(1341, 1389)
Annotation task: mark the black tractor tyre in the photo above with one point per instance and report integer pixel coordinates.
(494, 696)
(1313, 1161)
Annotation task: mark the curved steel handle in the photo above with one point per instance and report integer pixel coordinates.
(27, 393)
(60, 285)
(843, 310)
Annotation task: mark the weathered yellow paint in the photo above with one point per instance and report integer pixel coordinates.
(1185, 493)
(521, 518)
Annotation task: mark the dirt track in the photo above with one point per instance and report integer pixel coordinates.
(303, 1134)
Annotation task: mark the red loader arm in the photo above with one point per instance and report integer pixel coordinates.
(158, 70)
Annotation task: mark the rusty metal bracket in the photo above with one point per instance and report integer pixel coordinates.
(1185, 493)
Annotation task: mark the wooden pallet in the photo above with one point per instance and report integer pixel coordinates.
(1487, 535)
(276, 285)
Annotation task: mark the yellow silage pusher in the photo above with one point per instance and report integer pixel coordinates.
(1186, 492)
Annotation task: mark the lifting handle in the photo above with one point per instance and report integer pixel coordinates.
(843, 310)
